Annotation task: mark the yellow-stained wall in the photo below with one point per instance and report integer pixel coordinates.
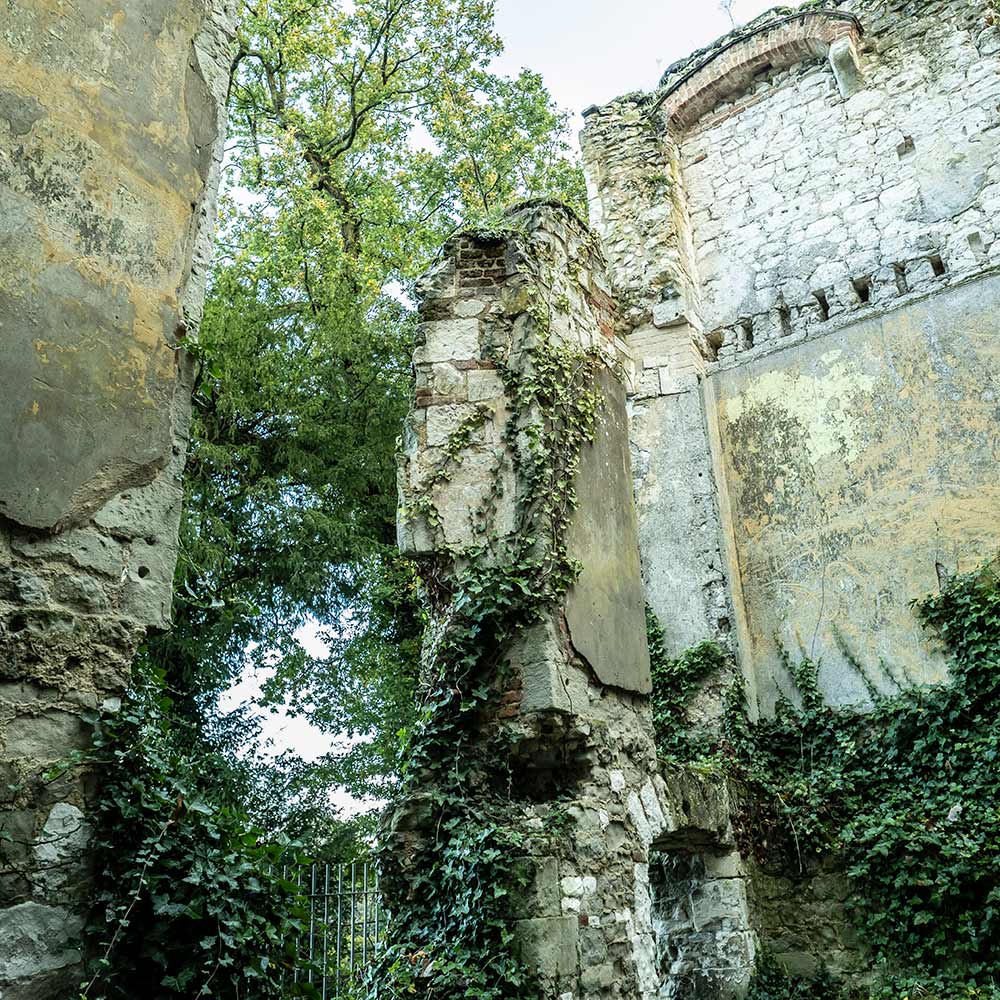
(858, 467)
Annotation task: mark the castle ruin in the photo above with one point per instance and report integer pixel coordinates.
(792, 303)
(795, 300)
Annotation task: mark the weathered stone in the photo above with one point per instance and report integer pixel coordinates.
(35, 940)
(61, 846)
(448, 340)
(106, 218)
(84, 548)
(605, 607)
(846, 66)
(548, 945)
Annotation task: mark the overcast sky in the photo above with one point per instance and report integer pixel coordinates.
(588, 52)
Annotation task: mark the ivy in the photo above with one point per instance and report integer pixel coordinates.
(771, 982)
(907, 795)
(676, 680)
(189, 899)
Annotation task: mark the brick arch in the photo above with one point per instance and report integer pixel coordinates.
(730, 70)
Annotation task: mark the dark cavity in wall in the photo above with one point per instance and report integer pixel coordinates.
(703, 948)
(785, 319)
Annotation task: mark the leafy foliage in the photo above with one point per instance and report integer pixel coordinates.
(361, 134)
(771, 982)
(908, 795)
(196, 904)
(675, 682)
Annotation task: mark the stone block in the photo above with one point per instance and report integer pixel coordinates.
(548, 945)
(61, 846)
(541, 897)
(598, 977)
(450, 340)
(605, 608)
(539, 657)
(44, 737)
(35, 940)
(484, 386)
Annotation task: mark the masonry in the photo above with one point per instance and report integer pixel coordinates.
(111, 120)
(791, 304)
(798, 232)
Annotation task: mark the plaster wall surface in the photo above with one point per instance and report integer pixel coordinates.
(797, 205)
(111, 120)
(800, 227)
(860, 465)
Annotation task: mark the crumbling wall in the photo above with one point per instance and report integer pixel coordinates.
(111, 118)
(826, 176)
(801, 226)
(636, 887)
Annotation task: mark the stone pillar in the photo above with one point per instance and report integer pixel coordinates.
(111, 124)
(568, 703)
(640, 209)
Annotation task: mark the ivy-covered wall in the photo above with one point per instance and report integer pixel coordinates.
(537, 739)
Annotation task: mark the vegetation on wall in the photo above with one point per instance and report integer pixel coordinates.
(455, 883)
(906, 796)
(676, 681)
(189, 898)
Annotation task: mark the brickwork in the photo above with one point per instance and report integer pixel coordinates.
(733, 68)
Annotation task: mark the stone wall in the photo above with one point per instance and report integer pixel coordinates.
(800, 225)
(111, 118)
(578, 732)
(830, 178)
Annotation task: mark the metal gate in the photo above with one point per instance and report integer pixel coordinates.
(345, 926)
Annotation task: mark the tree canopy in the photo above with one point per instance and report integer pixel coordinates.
(361, 135)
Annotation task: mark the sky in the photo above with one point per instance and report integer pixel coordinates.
(591, 51)
(588, 52)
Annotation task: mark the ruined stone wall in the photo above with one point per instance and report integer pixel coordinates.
(584, 787)
(829, 177)
(800, 196)
(800, 224)
(111, 118)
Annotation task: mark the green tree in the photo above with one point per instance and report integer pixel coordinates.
(361, 135)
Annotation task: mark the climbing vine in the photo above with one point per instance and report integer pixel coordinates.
(189, 899)
(676, 680)
(450, 860)
(908, 796)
